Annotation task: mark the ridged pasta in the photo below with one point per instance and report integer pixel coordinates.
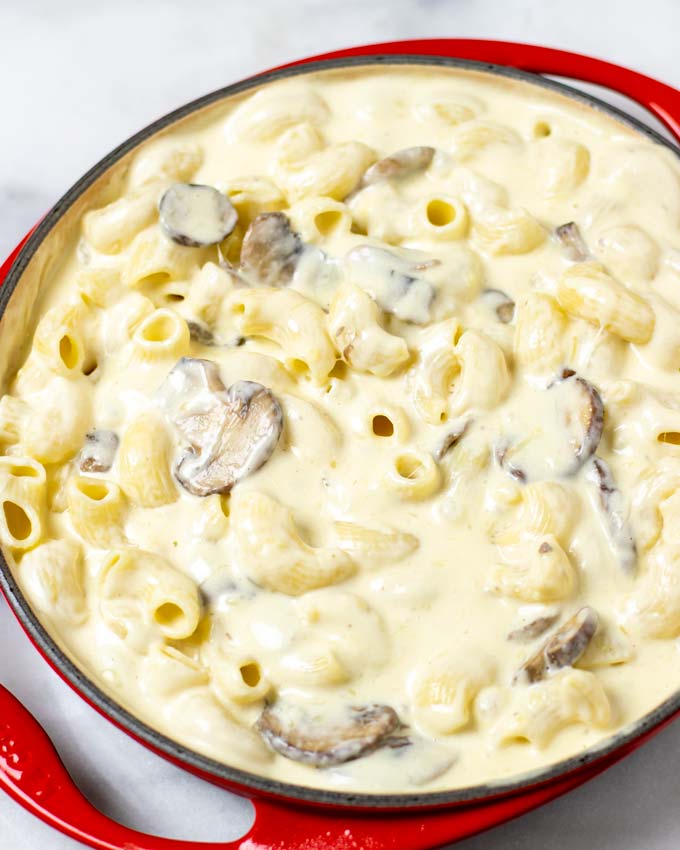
(443, 690)
(97, 287)
(313, 665)
(305, 167)
(236, 678)
(52, 577)
(252, 196)
(439, 217)
(111, 228)
(96, 508)
(545, 507)
(540, 571)
(502, 231)
(293, 322)
(317, 219)
(539, 334)
(484, 380)
(563, 165)
(542, 710)
(266, 115)
(214, 521)
(141, 595)
(413, 475)
(472, 137)
(653, 609)
(162, 335)
(354, 327)
(370, 547)
(587, 291)
(168, 160)
(154, 259)
(59, 341)
(144, 462)
(655, 484)
(60, 416)
(437, 367)
(273, 554)
(23, 500)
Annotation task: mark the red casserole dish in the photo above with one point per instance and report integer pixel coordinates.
(288, 816)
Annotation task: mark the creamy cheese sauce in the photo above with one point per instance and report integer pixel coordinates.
(433, 509)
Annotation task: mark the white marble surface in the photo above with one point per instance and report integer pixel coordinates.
(76, 78)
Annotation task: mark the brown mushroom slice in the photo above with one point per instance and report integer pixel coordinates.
(583, 410)
(451, 440)
(99, 451)
(502, 305)
(363, 730)
(392, 282)
(612, 503)
(195, 215)
(231, 433)
(504, 460)
(271, 250)
(566, 429)
(570, 238)
(533, 629)
(399, 164)
(562, 649)
(237, 438)
(202, 335)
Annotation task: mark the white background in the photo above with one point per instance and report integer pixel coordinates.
(76, 78)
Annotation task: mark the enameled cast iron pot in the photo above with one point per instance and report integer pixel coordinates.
(288, 816)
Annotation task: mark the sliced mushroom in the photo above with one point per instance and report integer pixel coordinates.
(575, 248)
(450, 440)
(399, 164)
(562, 649)
(501, 303)
(584, 414)
(271, 250)
(390, 280)
(612, 504)
(231, 433)
(565, 444)
(202, 335)
(195, 215)
(533, 629)
(99, 451)
(503, 459)
(365, 729)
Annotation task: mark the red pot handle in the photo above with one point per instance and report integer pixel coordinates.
(661, 100)
(32, 773)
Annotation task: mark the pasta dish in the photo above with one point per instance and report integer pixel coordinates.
(344, 447)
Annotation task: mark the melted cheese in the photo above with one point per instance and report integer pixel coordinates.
(420, 621)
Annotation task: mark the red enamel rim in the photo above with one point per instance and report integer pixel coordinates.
(29, 768)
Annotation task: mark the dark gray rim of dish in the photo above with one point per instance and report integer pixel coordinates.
(208, 767)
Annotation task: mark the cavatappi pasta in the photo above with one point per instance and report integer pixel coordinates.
(347, 446)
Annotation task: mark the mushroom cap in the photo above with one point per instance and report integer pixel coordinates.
(399, 164)
(230, 433)
(98, 451)
(270, 250)
(195, 215)
(563, 648)
(365, 729)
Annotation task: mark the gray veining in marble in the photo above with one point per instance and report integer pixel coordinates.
(78, 77)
